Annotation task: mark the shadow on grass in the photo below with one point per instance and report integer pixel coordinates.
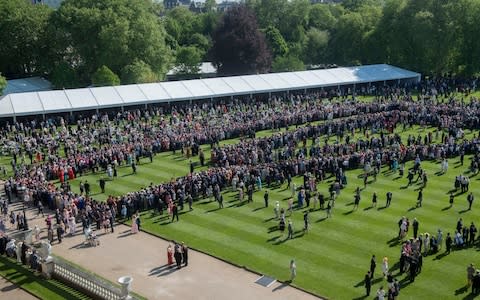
(461, 290)
(463, 211)
(446, 208)
(441, 255)
(258, 208)
(212, 210)
(274, 238)
(412, 208)
(374, 281)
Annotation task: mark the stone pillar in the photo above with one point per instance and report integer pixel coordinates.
(47, 267)
(125, 282)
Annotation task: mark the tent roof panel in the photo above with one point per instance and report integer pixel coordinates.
(176, 89)
(81, 99)
(219, 86)
(54, 101)
(293, 79)
(154, 92)
(198, 88)
(6, 108)
(275, 81)
(257, 83)
(106, 96)
(237, 84)
(26, 103)
(130, 93)
(310, 78)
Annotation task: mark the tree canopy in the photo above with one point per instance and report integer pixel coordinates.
(69, 44)
(105, 77)
(238, 45)
(114, 33)
(3, 84)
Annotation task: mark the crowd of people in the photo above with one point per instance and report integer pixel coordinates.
(349, 134)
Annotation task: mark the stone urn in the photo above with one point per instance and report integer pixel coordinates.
(125, 282)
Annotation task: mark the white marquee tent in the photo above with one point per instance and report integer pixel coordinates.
(57, 101)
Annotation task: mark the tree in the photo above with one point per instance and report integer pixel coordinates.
(188, 60)
(22, 37)
(63, 76)
(210, 5)
(316, 46)
(105, 77)
(138, 72)
(275, 41)
(115, 33)
(287, 63)
(200, 41)
(183, 20)
(321, 17)
(3, 84)
(238, 45)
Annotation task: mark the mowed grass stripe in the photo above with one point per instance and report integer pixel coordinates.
(263, 255)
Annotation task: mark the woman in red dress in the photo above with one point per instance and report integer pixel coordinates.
(170, 255)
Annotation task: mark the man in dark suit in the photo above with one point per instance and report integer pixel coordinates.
(265, 197)
(174, 212)
(185, 254)
(178, 255)
(389, 198)
(87, 187)
(373, 265)
(470, 199)
(415, 228)
(102, 185)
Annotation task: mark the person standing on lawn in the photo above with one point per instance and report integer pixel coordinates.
(306, 221)
(290, 229)
(174, 212)
(373, 265)
(470, 199)
(415, 227)
(293, 270)
(265, 197)
(389, 199)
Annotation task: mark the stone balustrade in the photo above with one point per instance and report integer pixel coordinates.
(87, 283)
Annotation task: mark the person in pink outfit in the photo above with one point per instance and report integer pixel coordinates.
(169, 255)
(134, 224)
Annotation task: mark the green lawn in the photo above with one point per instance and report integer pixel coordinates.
(334, 256)
(34, 284)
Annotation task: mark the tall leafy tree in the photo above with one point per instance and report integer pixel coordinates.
(188, 60)
(315, 51)
(90, 33)
(64, 76)
(105, 77)
(287, 63)
(238, 45)
(138, 72)
(275, 41)
(22, 37)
